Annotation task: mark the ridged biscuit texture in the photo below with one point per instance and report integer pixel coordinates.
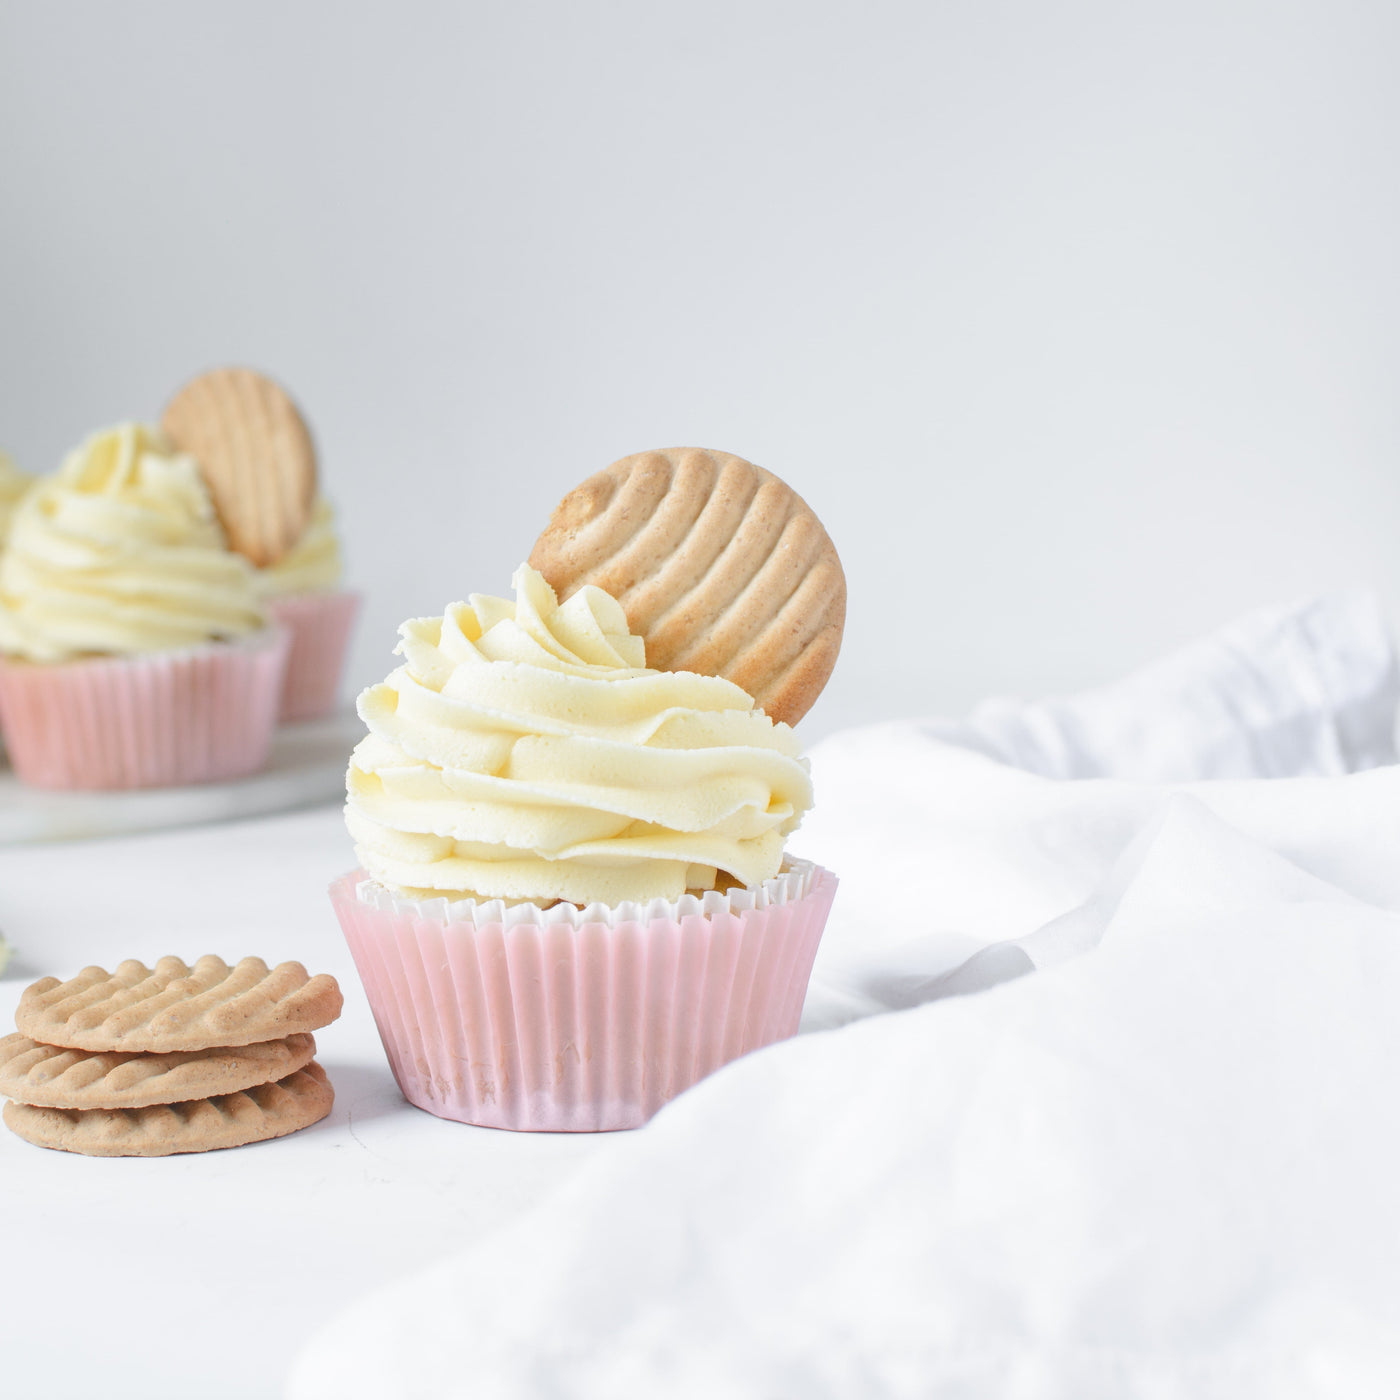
(50, 1077)
(162, 1130)
(256, 454)
(721, 568)
(173, 1007)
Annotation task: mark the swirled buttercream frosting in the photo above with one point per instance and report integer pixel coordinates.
(13, 484)
(312, 565)
(523, 751)
(120, 551)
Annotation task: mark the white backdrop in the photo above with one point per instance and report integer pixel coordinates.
(1080, 325)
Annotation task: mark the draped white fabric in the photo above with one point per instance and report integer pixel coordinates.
(1161, 1166)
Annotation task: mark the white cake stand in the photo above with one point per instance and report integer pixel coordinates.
(307, 767)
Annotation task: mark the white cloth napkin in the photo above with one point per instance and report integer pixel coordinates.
(1161, 1168)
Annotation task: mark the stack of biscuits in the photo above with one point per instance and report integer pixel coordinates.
(147, 1062)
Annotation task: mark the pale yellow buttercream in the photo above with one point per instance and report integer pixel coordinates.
(120, 551)
(523, 751)
(312, 565)
(13, 484)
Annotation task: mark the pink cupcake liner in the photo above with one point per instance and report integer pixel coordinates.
(163, 720)
(579, 1021)
(320, 624)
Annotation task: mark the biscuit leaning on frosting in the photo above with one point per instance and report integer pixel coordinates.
(721, 568)
(554, 747)
(256, 454)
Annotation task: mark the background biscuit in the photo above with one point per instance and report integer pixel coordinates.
(256, 454)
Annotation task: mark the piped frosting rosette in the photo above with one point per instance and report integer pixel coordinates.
(523, 751)
(118, 553)
(259, 461)
(135, 650)
(575, 901)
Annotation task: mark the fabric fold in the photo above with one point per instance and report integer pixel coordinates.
(1133, 1133)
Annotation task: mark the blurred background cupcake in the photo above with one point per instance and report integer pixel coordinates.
(255, 448)
(134, 648)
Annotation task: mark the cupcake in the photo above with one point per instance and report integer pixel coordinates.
(243, 427)
(574, 898)
(134, 651)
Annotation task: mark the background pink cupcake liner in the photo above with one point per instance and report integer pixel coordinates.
(163, 720)
(320, 624)
(576, 1024)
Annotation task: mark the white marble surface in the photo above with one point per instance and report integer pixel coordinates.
(231, 1258)
(306, 766)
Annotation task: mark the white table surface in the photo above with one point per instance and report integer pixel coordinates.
(127, 1277)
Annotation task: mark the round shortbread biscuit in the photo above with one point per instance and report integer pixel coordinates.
(256, 454)
(174, 1007)
(48, 1076)
(161, 1130)
(720, 567)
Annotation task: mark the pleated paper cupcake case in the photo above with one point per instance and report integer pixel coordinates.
(162, 720)
(563, 1020)
(321, 625)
